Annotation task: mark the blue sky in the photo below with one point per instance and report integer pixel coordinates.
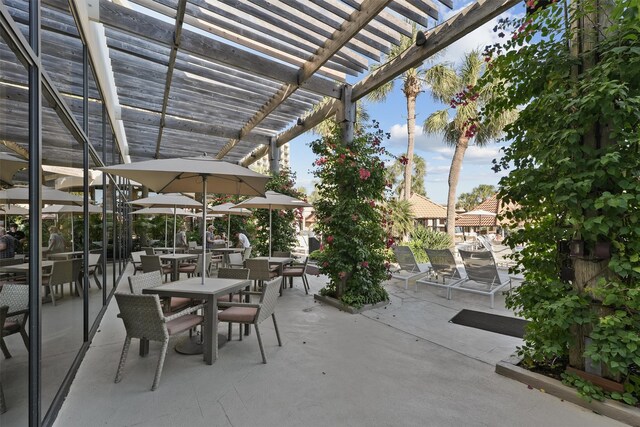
(392, 116)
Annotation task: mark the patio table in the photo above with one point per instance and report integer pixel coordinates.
(225, 252)
(23, 268)
(278, 262)
(175, 262)
(66, 255)
(209, 291)
(167, 250)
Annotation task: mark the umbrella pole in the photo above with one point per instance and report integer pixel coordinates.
(269, 254)
(166, 219)
(174, 229)
(204, 226)
(73, 240)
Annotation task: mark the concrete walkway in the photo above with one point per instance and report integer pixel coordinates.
(403, 365)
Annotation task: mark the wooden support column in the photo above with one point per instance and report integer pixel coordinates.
(346, 115)
(274, 156)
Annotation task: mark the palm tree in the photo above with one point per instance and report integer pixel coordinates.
(456, 88)
(395, 174)
(326, 128)
(402, 218)
(412, 85)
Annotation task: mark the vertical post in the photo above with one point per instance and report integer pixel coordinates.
(35, 207)
(274, 156)
(346, 115)
(105, 237)
(85, 195)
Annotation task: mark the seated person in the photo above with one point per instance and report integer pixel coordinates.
(217, 240)
(7, 244)
(181, 238)
(56, 241)
(18, 235)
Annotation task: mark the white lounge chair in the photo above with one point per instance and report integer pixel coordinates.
(482, 274)
(409, 268)
(444, 273)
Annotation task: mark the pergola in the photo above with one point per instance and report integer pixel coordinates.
(235, 79)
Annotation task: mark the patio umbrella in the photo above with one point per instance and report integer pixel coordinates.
(273, 200)
(228, 209)
(192, 174)
(58, 209)
(49, 195)
(166, 212)
(479, 213)
(12, 210)
(9, 166)
(170, 200)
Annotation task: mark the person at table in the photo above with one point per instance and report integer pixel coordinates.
(181, 238)
(56, 241)
(7, 244)
(218, 240)
(18, 235)
(243, 240)
(210, 237)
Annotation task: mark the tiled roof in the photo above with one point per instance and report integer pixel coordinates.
(423, 207)
(489, 205)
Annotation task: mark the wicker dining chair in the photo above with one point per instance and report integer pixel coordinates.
(143, 319)
(3, 404)
(136, 261)
(254, 314)
(152, 263)
(151, 280)
(259, 271)
(235, 260)
(61, 273)
(195, 269)
(16, 298)
(297, 270)
(232, 273)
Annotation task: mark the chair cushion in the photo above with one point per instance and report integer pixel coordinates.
(179, 302)
(10, 326)
(225, 298)
(187, 268)
(183, 323)
(238, 314)
(293, 271)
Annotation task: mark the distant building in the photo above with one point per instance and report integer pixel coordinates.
(428, 213)
(493, 205)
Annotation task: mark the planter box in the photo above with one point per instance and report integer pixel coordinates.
(341, 306)
(609, 408)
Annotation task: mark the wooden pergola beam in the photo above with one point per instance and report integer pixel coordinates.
(461, 24)
(357, 20)
(172, 62)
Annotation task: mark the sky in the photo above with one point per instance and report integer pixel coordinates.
(392, 116)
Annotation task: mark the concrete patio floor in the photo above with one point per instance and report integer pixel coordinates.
(402, 365)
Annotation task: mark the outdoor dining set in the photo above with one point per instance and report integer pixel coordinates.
(160, 304)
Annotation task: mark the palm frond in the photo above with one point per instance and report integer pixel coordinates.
(443, 82)
(472, 68)
(436, 122)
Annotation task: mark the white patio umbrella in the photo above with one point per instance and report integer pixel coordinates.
(166, 212)
(49, 195)
(192, 174)
(273, 200)
(12, 210)
(479, 213)
(170, 200)
(228, 209)
(9, 166)
(58, 209)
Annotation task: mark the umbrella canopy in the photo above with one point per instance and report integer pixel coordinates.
(163, 211)
(58, 209)
(13, 210)
(193, 174)
(477, 217)
(273, 200)
(9, 165)
(185, 175)
(479, 212)
(171, 200)
(228, 209)
(49, 195)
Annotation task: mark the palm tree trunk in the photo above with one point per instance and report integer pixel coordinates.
(454, 176)
(411, 126)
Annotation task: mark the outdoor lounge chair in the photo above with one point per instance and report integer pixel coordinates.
(15, 297)
(482, 274)
(409, 268)
(143, 318)
(500, 252)
(254, 314)
(444, 273)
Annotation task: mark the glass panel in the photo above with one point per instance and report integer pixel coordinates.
(14, 128)
(19, 11)
(97, 266)
(62, 54)
(62, 323)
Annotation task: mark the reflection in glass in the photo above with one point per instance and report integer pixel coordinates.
(14, 292)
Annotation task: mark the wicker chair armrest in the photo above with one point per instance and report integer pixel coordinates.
(18, 312)
(237, 304)
(183, 312)
(251, 293)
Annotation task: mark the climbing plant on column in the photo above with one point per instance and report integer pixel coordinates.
(351, 217)
(574, 161)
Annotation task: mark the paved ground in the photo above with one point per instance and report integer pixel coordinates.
(403, 365)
